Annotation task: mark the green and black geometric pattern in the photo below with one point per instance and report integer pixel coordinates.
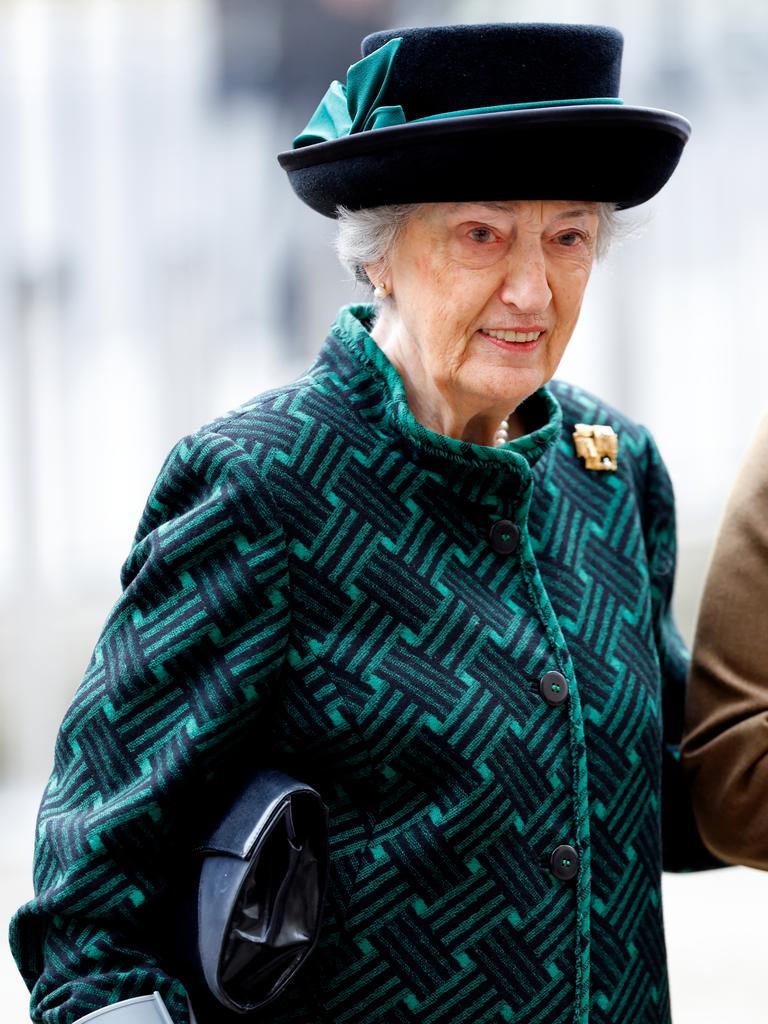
(312, 587)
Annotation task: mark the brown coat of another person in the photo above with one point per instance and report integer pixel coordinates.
(725, 750)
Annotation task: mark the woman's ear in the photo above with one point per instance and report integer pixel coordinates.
(377, 276)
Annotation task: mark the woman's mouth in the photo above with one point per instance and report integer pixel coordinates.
(521, 340)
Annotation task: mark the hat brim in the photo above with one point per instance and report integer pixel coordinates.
(595, 152)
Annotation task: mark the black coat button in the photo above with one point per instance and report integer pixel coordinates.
(554, 688)
(564, 863)
(505, 536)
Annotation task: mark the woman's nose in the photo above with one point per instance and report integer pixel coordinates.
(526, 286)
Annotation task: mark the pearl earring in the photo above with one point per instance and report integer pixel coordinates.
(380, 291)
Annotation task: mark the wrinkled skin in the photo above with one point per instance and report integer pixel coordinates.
(461, 269)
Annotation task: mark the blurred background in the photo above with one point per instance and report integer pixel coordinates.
(155, 269)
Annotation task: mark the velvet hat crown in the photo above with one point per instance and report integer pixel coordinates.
(483, 112)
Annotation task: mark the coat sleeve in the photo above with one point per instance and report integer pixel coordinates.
(682, 847)
(726, 746)
(179, 679)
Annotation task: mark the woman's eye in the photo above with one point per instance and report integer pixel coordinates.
(571, 238)
(481, 235)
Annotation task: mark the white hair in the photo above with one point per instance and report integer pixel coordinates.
(368, 237)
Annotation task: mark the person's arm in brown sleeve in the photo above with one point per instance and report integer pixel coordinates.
(725, 750)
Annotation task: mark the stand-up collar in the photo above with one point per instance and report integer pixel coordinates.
(351, 333)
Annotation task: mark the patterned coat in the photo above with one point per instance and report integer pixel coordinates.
(317, 584)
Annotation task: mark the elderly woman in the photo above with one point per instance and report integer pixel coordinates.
(421, 578)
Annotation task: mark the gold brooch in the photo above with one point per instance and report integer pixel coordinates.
(597, 445)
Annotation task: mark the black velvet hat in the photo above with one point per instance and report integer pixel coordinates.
(483, 112)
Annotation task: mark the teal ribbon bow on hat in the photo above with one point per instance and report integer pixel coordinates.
(351, 108)
(354, 107)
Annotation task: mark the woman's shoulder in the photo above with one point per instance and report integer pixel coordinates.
(271, 417)
(582, 406)
(249, 454)
(639, 459)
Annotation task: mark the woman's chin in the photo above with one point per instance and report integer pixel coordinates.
(507, 388)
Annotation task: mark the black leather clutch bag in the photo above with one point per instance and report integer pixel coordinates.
(260, 888)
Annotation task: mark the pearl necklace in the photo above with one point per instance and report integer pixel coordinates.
(502, 434)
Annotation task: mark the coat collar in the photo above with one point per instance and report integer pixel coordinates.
(350, 335)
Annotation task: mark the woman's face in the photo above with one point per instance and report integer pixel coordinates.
(485, 297)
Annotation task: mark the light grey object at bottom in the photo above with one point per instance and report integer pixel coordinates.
(142, 1010)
